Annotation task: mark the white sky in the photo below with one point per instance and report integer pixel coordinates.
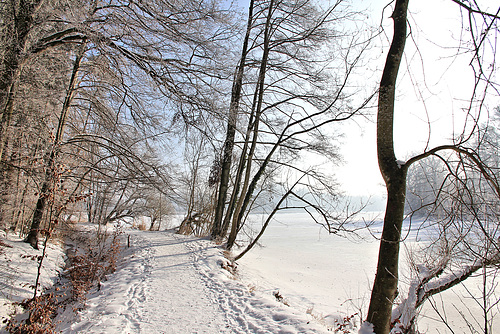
(433, 86)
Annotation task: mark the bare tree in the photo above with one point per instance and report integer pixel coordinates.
(50, 173)
(177, 45)
(198, 195)
(460, 233)
(394, 171)
(25, 32)
(17, 22)
(40, 92)
(218, 229)
(291, 77)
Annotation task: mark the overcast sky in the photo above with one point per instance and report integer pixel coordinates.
(434, 85)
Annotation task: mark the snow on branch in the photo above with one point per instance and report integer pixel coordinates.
(429, 283)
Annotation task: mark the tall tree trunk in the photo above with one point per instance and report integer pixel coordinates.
(234, 205)
(394, 173)
(262, 75)
(20, 23)
(17, 25)
(48, 183)
(217, 230)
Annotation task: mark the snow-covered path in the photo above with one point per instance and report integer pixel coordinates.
(174, 284)
(173, 290)
(156, 291)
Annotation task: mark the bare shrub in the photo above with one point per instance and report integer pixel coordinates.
(97, 257)
(88, 269)
(41, 311)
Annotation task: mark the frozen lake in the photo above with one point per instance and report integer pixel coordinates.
(314, 268)
(328, 274)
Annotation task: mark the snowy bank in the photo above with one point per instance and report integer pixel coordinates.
(19, 263)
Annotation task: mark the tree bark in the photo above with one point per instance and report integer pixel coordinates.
(235, 227)
(47, 186)
(217, 229)
(394, 173)
(21, 24)
(237, 182)
(244, 162)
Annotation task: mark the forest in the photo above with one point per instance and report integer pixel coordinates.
(140, 110)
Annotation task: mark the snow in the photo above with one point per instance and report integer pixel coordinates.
(19, 263)
(405, 311)
(156, 288)
(328, 274)
(299, 280)
(332, 276)
(169, 283)
(366, 328)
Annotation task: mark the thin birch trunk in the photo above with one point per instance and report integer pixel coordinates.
(262, 75)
